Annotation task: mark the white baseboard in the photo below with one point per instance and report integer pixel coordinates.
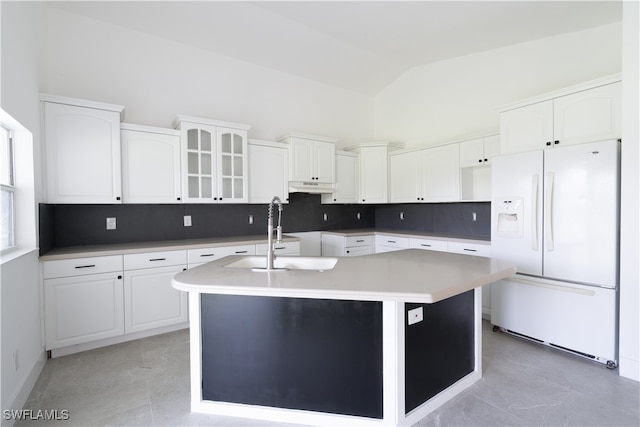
(629, 368)
(22, 394)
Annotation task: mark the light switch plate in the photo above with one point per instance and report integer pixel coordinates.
(415, 315)
(111, 223)
(187, 220)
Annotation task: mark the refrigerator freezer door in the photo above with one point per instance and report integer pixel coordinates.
(575, 317)
(581, 211)
(516, 211)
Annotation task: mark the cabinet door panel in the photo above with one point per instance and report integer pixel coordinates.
(232, 157)
(588, 116)
(325, 153)
(268, 173)
(441, 174)
(151, 167)
(198, 163)
(346, 186)
(374, 165)
(83, 309)
(472, 153)
(405, 177)
(150, 301)
(526, 129)
(83, 154)
(301, 155)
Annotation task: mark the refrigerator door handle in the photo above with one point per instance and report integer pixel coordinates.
(534, 211)
(548, 211)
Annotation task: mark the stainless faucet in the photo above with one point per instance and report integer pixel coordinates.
(270, 253)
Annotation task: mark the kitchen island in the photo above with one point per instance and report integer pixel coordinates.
(374, 340)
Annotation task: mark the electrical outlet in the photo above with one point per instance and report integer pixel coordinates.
(358, 216)
(111, 223)
(187, 220)
(402, 216)
(325, 217)
(250, 219)
(474, 217)
(415, 316)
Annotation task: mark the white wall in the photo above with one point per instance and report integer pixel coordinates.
(156, 79)
(459, 97)
(629, 252)
(20, 314)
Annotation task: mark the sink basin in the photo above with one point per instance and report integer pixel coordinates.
(259, 263)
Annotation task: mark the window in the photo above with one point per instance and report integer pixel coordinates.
(7, 188)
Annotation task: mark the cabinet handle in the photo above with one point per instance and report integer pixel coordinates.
(479, 160)
(486, 160)
(118, 198)
(359, 241)
(556, 142)
(363, 200)
(158, 259)
(206, 255)
(548, 142)
(178, 198)
(425, 245)
(348, 252)
(391, 241)
(86, 266)
(119, 277)
(243, 252)
(470, 250)
(281, 247)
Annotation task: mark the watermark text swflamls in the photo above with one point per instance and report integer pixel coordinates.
(35, 415)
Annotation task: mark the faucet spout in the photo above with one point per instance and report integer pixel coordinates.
(270, 249)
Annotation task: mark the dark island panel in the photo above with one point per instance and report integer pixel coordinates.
(294, 353)
(439, 350)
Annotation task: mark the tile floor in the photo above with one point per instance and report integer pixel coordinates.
(146, 382)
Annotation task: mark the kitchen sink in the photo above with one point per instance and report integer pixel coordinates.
(259, 263)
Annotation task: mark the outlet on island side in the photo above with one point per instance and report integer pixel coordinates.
(111, 223)
(187, 220)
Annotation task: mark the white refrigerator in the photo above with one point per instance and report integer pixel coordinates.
(555, 215)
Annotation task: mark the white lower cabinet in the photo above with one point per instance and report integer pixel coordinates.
(475, 249)
(150, 301)
(282, 248)
(429, 244)
(83, 300)
(388, 243)
(196, 257)
(339, 245)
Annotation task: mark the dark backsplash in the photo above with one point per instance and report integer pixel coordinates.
(78, 225)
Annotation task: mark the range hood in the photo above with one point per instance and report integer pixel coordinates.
(310, 187)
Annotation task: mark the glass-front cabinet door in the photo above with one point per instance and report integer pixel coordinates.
(200, 177)
(214, 162)
(233, 180)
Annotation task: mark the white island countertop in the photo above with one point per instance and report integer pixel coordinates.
(411, 275)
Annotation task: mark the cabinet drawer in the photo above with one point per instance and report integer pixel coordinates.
(284, 248)
(351, 241)
(358, 251)
(476, 249)
(202, 255)
(392, 241)
(81, 266)
(154, 259)
(429, 244)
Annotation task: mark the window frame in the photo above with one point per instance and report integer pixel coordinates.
(10, 188)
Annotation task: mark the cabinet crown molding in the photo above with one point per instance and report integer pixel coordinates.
(57, 99)
(211, 122)
(602, 81)
(149, 129)
(285, 138)
(389, 145)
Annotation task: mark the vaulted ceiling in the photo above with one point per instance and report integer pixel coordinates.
(359, 45)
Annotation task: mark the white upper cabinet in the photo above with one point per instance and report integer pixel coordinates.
(214, 161)
(585, 113)
(479, 151)
(406, 177)
(427, 175)
(373, 168)
(268, 171)
(150, 164)
(346, 186)
(311, 158)
(441, 174)
(82, 149)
